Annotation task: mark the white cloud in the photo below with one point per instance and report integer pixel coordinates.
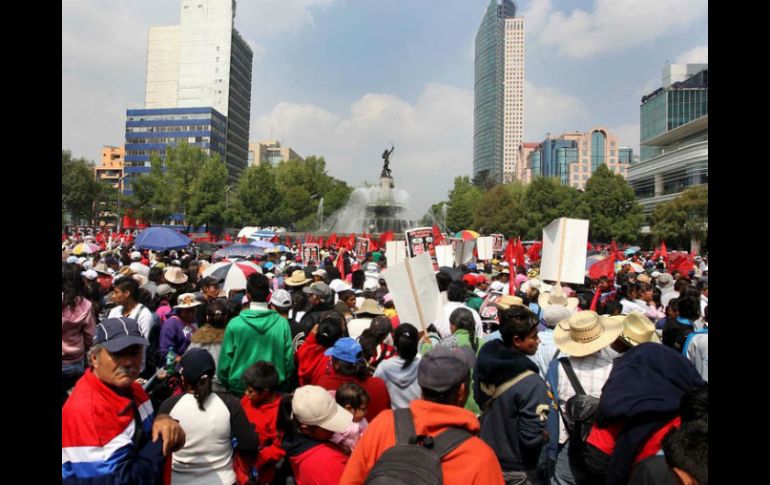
(536, 15)
(433, 139)
(271, 17)
(613, 25)
(696, 55)
(547, 110)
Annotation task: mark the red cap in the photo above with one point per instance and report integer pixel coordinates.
(471, 280)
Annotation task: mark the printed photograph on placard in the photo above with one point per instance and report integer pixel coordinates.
(310, 253)
(362, 247)
(498, 243)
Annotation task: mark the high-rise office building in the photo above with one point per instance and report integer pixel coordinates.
(673, 136)
(270, 152)
(498, 92)
(204, 63)
(574, 157)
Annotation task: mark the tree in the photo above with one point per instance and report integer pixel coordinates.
(484, 180)
(257, 196)
(545, 199)
(498, 209)
(610, 205)
(79, 188)
(183, 163)
(152, 194)
(683, 219)
(463, 199)
(207, 201)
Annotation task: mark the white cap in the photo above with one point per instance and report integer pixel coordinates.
(314, 406)
(136, 256)
(82, 260)
(371, 285)
(72, 260)
(319, 272)
(90, 274)
(497, 286)
(88, 264)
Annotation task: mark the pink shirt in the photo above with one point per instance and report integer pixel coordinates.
(78, 325)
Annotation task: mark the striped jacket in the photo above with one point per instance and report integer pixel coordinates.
(106, 437)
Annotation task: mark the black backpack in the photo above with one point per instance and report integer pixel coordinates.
(579, 414)
(414, 460)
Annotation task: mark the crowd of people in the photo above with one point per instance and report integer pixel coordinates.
(307, 375)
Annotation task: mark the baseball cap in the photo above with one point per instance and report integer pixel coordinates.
(314, 406)
(118, 333)
(470, 279)
(196, 363)
(72, 260)
(320, 289)
(443, 368)
(164, 289)
(319, 272)
(371, 285)
(136, 256)
(89, 274)
(281, 298)
(347, 350)
(497, 286)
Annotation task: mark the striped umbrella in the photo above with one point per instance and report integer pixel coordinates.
(233, 274)
(85, 248)
(467, 235)
(239, 250)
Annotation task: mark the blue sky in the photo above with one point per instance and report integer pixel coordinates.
(343, 78)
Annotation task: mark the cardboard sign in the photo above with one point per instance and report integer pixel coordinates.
(488, 310)
(464, 252)
(497, 247)
(362, 247)
(445, 255)
(395, 252)
(420, 240)
(310, 254)
(485, 246)
(413, 286)
(564, 251)
(92, 231)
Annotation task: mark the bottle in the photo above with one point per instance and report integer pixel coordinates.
(170, 360)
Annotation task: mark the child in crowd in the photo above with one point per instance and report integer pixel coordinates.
(354, 399)
(260, 403)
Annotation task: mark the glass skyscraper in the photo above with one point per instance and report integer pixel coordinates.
(498, 92)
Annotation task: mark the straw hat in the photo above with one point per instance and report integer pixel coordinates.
(298, 278)
(507, 301)
(586, 332)
(175, 275)
(638, 329)
(556, 297)
(369, 306)
(187, 300)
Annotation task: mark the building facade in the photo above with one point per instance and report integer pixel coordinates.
(498, 92)
(523, 171)
(271, 152)
(204, 62)
(110, 170)
(573, 157)
(150, 131)
(673, 136)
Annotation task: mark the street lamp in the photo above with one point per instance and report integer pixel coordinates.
(120, 191)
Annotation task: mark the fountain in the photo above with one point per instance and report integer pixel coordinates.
(374, 209)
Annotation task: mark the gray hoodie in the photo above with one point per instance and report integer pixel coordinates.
(402, 383)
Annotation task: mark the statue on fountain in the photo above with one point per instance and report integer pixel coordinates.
(386, 157)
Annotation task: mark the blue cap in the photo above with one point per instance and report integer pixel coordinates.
(471, 265)
(346, 349)
(268, 266)
(118, 333)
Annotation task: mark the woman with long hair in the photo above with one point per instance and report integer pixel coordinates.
(78, 323)
(210, 421)
(400, 372)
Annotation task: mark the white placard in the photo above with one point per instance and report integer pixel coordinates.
(413, 286)
(564, 251)
(445, 255)
(485, 246)
(395, 252)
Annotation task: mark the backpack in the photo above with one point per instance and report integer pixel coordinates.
(579, 414)
(414, 460)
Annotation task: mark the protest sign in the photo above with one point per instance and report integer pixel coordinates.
(395, 252)
(488, 309)
(564, 251)
(464, 251)
(420, 240)
(485, 246)
(445, 255)
(498, 245)
(412, 284)
(362, 247)
(310, 254)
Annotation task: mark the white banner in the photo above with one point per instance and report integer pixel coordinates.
(445, 255)
(485, 246)
(413, 286)
(564, 251)
(395, 252)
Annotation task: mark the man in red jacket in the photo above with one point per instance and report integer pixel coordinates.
(444, 378)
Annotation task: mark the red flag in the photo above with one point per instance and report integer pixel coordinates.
(656, 255)
(605, 267)
(534, 251)
(385, 237)
(320, 242)
(287, 241)
(352, 240)
(340, 263)
(244, 240)
(438, 238)
(590, 247)
(613, 246)
(275, 239)
(510, 251)
(228, 238)
(664, 251)
(332, 241)
(519, 255)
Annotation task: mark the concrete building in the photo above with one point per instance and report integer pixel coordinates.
(673, 136)
(498, 92)
(150, 131)
(270, 151)
(523, 171)
(204, 62)
(110, 170)
(573, 157)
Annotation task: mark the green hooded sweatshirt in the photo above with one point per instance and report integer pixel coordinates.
(461, 338)
(252, 336)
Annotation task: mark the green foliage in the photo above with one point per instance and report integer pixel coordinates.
(545, 199)
(463, 200)
(682, 219)
(499, 209)
(207, 201)
(79, 188)
(609, 203)
(257, 196)
(183, 163)
(152, 197)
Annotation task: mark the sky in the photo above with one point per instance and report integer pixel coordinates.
(343, 79)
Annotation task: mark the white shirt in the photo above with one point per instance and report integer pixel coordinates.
(443, 325)
(141, 269)
(667, 295)
(631, 306)
(698, 353)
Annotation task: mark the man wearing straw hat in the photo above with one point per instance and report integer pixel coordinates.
(586, 338)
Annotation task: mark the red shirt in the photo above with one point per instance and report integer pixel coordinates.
(263, 417)
(604, 439)
(379, 399)
(312, 364)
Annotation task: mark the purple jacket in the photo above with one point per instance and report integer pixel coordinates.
(172, 334)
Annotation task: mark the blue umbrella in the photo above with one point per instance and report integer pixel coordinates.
(161, 238)
(263, 244)
(241, 250)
